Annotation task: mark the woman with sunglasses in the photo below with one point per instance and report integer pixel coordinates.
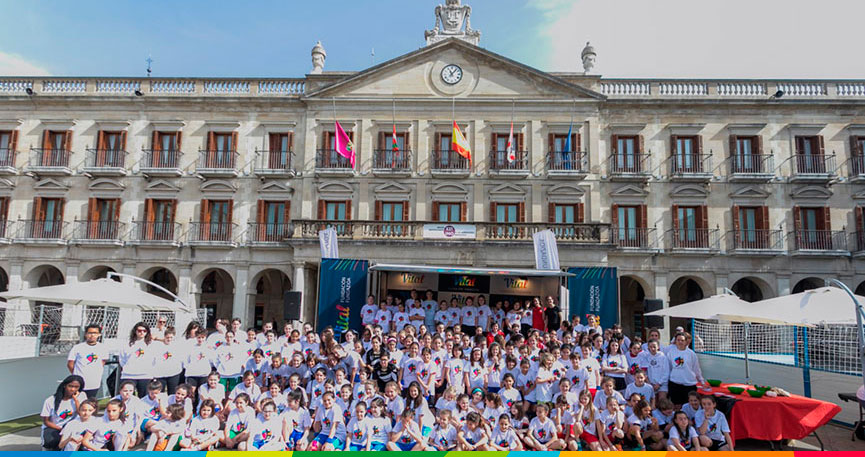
(137, 358)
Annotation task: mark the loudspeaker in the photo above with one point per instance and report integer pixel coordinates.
(291, 302)
(653, 304)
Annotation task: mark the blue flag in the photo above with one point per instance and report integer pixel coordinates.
(567, 147)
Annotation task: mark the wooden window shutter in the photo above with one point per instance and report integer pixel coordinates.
(860, 220)
(405, 210)
(260, 212)
(325, 140)
(205, 211)
(493, 212)
(551, 217)
(800, 145)
(178, 137)
(379, 205)
(576, 143)
(673, 140)
(435, 212)
(764, 221)
(156, 145)
(59, 209)
(37, 209)
(614, 216)
(758, 141)
(734, 141)
(92, 209)
(521, 146)
(286, 215)
(643, 219)
(382, 141)
(735, 218)
(494, 143)
(67, 140)
(551, 142)
(407, 142)
(13, 141)
(348, 210)
(580, 211)
(211, 141)
(116, 215)
(234, 145)
(521, 212)
(100, 140)
(273, 145)
(464, 211)
(614, 144)
(173, 211)
(641, 145)
(698, 144)
(675, 218)
(322, 209)
(854, 146)
(122, 145)
(821, 147)
(230, 212)
(827, 218)
(46, 140)
(290, 141)
(149, 215)
(704, 217)
(438, 139)
(797, 219)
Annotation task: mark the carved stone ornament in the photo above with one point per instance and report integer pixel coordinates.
(318, 58)
(453, 20)
(589, 57)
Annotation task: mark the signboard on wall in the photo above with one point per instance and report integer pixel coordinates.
(464, 283)
(594, 290)
(341, 293)
(449, 232)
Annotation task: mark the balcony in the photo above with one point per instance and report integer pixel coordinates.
(630, 167)
(40, 232)
(813, 168)
(98, 233)
(449, 163)
(820, 243)
(635, 239)
(857, 168)
(391, 163)
(49, 162)
(155, 234)
(691, 167)
(212, 234)
(309, 228)
(583, 233)
(751, 168)
(7, 162)
(268, 233)
(388, 230)
(159, 163)
(328, 162)
(694, 241)
(7, 230)
(274, 164)
(501, 166)
(755, 242)
(105, 162)
(858, 243)
(217, 164)
(567, 164)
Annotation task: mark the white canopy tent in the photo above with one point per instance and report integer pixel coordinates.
(99, 292)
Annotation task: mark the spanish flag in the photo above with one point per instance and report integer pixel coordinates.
(460, 144)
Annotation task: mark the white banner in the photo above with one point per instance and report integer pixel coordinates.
(327, 240)
(449, 232)
(546, 251)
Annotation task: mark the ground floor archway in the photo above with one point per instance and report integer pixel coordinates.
(632, 297)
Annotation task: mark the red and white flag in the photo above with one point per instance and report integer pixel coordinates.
(512, 153)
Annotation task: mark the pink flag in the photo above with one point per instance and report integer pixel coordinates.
(343, 144)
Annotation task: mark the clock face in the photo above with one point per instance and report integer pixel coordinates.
(452, 74)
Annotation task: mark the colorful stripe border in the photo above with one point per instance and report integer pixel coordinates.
(479, 454)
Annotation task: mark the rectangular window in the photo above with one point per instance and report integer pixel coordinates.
(48, 218)
(686, 155)
(628, 225)
(159, 220)
(809, 155)
(4, 215)
(216, 220)
(102, 222)
(55, 149)
(7, 148)
(335, 211)
(279, 151)
(223, 151)
(748, 225)
(747, 158)
(627, 160)
(109, 150)
(328, 157)
(507, 212)
(449, 212)
(565, 213)
(687, 227)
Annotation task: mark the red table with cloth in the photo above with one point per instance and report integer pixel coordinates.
(775, 418)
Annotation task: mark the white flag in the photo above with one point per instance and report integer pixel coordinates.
(327, 240)
(512, 153)
(546, 251)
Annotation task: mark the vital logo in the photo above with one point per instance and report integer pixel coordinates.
(464, 281)
(411, 278)
(516, 283)
(92, 358)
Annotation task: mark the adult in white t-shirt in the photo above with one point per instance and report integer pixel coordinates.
(137, 358)
(430, 308)
(685, 371)
(87, 360)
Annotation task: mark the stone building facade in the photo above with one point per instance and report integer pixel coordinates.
(216, 188)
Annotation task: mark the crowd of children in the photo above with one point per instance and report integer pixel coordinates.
(473, 377)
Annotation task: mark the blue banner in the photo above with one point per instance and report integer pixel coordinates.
(341, 294)
(594, 290)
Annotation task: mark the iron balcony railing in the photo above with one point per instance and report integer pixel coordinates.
(54, 158)
(449, 160)
(329, 159)
(694, 239)
(6, 229)
(217, 160)
(211, 232)
(269, 232)
(857, 166)
(755, 240)
(859, 241)
(7, 158)
(98, 230)
(575, 162)
(105, 158)
(499, 161)
(690, 164)
(159, 160)
(309, 228)
(275, 160)
(814, 164)
(820, 240)
(157, 232)
(41, 229)
(752, 164)
(388, 159)
(635, 237)
(630, 164)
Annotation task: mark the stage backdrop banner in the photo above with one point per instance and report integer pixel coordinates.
(341, 293)
(594, 290)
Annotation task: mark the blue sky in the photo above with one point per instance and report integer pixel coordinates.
(634, 38)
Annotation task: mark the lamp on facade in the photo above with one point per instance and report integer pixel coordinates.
(29, 91)
(138, 93)
(778, 94)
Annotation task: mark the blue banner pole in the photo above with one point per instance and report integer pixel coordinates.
(806, 368)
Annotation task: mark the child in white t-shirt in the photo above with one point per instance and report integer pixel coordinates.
(202, 433)
(73, 432)
(109, 429)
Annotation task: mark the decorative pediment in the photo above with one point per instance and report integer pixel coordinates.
(274, 188)
(336, 190)
(565, 193)
(811, 192)
(106, 188)
(629, 191)
(50, 187)
(451, 192)
(749, 192)
(161, 185)
(392, 190)
(689, 191)
(218, 186)
(484, 74)
(507, 193)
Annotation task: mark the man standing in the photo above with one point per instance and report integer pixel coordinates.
(430, 308)
(87, 360)
(552, 315)
(158, 332)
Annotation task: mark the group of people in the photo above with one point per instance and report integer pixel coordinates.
(418, 375)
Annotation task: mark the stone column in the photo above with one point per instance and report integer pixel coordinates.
(129, 269)
(71, 275)
(184, 286)
(299, 284)
(241, 284)
(536, 147)
(662, 293)
(721, 282)
(783, 285)
(421, 148)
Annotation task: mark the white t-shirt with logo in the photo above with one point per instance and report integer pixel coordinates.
(89, 363)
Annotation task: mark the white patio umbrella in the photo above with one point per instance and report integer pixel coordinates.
(825, 305)
(99, 292)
